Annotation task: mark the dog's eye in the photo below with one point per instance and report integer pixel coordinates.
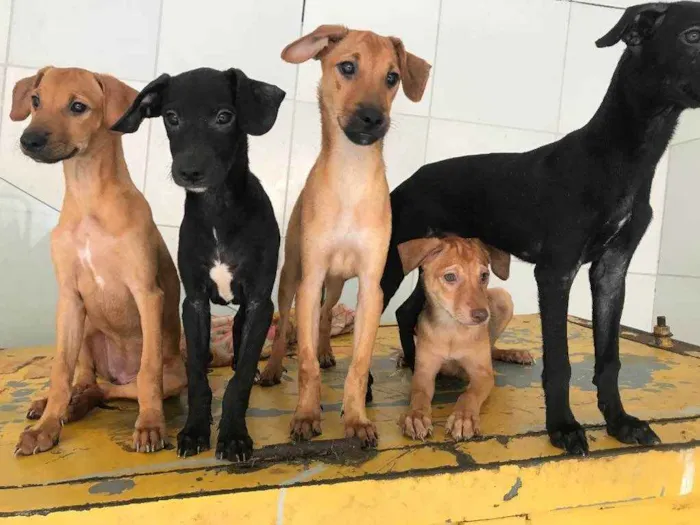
(692, 36)
(224, 117)
(484, 277)
(172, 118)
(450, 277)
(392, 79)
(347, 68)
(35, 101)
(78, 108)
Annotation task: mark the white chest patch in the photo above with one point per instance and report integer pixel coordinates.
(86, 260)
(222, 276)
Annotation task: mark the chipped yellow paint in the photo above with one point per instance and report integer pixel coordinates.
(510, 476)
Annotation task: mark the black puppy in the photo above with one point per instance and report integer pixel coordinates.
(584, 198)
(229, 238)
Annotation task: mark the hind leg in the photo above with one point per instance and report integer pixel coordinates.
(334, 287)
(501, 306)
(85, 394)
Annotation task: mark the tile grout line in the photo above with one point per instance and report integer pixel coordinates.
(663, 223)
(6, 58)
(563, 69)
(150, 123)
(432, 84)
(283, 229)
(29, 194)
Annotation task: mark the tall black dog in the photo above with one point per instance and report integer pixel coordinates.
(229, 238)
(584, 198)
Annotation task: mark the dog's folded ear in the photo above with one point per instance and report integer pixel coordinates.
(414, 71)
(500, 262)
(314, 45)
(257, 103)
(118, 97)
(21, 102)
(636, 25)
(416, 252)
(147, 104)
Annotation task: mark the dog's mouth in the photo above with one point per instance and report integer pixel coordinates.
(362, 138)
(49, 157)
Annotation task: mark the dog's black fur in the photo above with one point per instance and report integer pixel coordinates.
(584, 198)
(208, 116)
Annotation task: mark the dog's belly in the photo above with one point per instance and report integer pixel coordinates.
(117, 361)
(222, 277)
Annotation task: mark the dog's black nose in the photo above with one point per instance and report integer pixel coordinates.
(479, 315)
(190, 174)
(34, 140)
(372, 118)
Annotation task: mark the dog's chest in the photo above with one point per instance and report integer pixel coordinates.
(221, 271)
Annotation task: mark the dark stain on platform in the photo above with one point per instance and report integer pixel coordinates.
(112, 487)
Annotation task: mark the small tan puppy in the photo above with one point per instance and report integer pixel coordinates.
(457, 329)
(118, 290)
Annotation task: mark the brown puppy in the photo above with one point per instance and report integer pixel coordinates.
(457, 329)
(340, 225)
(117, 312)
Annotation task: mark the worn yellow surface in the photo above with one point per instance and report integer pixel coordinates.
(512, 475)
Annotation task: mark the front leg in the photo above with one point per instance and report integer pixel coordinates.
(196, 319)
(369, 310)
(234, 442)
(149, 431)
(417, 422)
(70, 324)
(407, 319)
(607, 276)
(554, 285)
(464, 422)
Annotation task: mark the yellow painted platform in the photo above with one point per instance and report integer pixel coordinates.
(512, 475)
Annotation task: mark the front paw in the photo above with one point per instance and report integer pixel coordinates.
(39, 438)
(570, 437)
(234, 446)
(632, 431)
(416, 425)
(271, 374)
(36, 409)
(305, 424)
(463, 424)
(363, 429)
(149, 432)
(193, 439)
(326, 359)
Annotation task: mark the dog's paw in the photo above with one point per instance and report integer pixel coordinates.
(192, 440)
(326, 359)
(38, 439)
(271, 375)
(463, 424)
(632, 431)
(36, 409)
(305, 425)
(149, 432)
(363, 429)
(416, 425)
(519, 357)
(570, 437)
(236, 447)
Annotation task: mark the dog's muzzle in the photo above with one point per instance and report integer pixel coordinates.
(366, 126)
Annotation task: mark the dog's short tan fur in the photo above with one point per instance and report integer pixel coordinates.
(117, 312)
(457, 329)
(340, 225)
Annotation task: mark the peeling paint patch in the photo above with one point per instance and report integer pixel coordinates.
(112, 487)
(513, 490)
(688, 479)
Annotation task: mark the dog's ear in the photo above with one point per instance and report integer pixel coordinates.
(500, 262)
(416, 252)
(636, 25)
(314, 45)
(414, 71)
(257, 103)
(147, 104)
(21, 102)
(118, 97)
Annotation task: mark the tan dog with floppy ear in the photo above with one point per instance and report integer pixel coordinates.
(119, 293)
(341, 223)
(457, 329)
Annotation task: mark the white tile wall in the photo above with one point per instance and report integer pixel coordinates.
(509, 75)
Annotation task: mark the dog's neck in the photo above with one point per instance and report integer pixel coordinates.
(218, 203)
(343, 160)
(634, 119)
(92, 176)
